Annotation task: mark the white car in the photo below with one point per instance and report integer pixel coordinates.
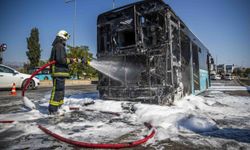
(228, 77)
(8, 76)
(215, 77)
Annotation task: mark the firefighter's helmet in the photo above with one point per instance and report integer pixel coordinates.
(63, 34)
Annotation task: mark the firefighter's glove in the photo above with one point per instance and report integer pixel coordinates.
(73, 60)
(80, 61)
(85, 61)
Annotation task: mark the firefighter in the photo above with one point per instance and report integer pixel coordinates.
(59, 71)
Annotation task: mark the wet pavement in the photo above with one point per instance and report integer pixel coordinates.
(233, 131)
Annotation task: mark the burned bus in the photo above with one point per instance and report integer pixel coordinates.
(162, 59)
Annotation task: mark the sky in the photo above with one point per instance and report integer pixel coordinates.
(222, 25)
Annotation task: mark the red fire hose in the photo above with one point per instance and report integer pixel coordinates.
(96, 145)
(35, 73)
(84, 144)
(100, 145)
(6, 121)
(27, 84)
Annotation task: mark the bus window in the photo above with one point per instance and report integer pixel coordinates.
(43, 75)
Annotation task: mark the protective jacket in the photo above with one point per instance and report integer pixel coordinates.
(58, 53)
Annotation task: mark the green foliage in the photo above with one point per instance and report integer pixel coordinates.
(242, 72)
(78, 69)
(42, 62)
(25, 68)
(237, 72)
(247, 71)
(33, 45)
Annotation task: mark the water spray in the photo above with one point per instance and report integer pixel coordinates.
(117, 69)
(114, 69)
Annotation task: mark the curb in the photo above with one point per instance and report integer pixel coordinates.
(49, 83)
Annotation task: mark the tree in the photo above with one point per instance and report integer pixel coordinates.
(33, 45)
(25, 68)
(77, 69)
(42, 62)
(247, 72)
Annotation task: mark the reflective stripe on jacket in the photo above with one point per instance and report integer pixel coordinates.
(58, 53)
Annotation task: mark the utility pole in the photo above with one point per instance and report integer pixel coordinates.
(1, 57)
(74, 22)
(216, 64)
(113, 4)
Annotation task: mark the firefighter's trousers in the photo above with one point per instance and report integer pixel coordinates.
(57, 93)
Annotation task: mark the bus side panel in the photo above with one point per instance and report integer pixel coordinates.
(203, 80)
(44, 77)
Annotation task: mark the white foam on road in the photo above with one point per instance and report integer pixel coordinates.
(198, 124)
(28, 103)
(97, 131)
(23, 116)
(192, 115)
(183, 116)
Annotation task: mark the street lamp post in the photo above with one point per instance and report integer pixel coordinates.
(74, 22)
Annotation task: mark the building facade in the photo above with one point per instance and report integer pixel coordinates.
(221, 69)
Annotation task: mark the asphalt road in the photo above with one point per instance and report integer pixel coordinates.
(225, 82)
(228, 83)
(13, 104)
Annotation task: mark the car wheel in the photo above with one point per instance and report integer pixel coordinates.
(31, 85)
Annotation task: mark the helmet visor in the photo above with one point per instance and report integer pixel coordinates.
(66, 35)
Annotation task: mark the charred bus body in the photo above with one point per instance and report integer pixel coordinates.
(163, 59)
